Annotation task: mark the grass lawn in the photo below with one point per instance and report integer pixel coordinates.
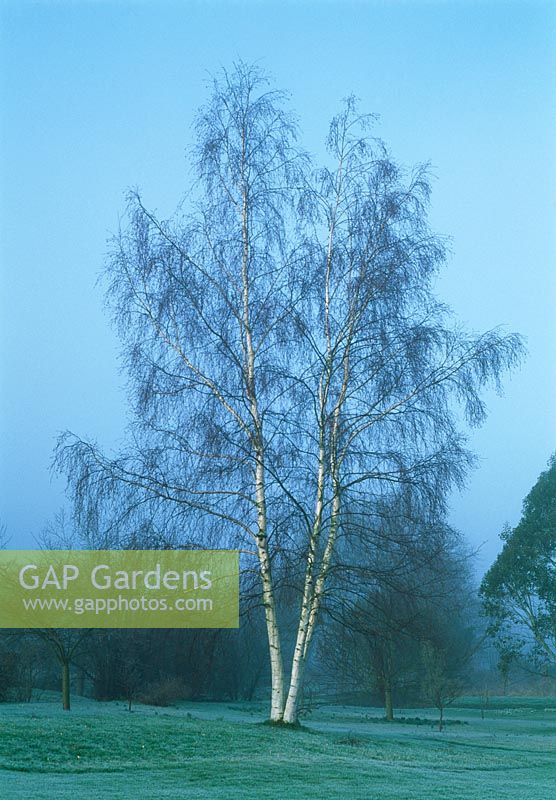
(209, 751)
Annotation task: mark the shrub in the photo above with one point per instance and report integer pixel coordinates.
(165, 692)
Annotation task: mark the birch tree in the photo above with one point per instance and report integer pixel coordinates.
(285, 353)
(388, 364)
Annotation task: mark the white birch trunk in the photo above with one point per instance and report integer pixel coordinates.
(298, 661)
(300, 656)
(269, 602)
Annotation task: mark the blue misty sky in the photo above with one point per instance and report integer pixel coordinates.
(97, 97)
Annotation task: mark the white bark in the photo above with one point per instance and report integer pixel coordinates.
(269, 602)
(300, 650)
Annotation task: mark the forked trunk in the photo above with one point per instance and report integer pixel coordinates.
(307, 628)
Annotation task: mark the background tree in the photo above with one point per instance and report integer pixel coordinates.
(66, 645)
(286, 355)
(442, 681)
(449, 641)
(519, 590)
(383, 611)
(506, 659)
(21, 665)
(369, 649)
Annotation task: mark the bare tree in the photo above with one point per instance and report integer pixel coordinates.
(446, 653)
(286, 354)
(368, 647)
(379, 607)
(449, 639)
(66, 645)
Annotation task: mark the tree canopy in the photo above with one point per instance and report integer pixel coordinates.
(286, 352)
(519, 590)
